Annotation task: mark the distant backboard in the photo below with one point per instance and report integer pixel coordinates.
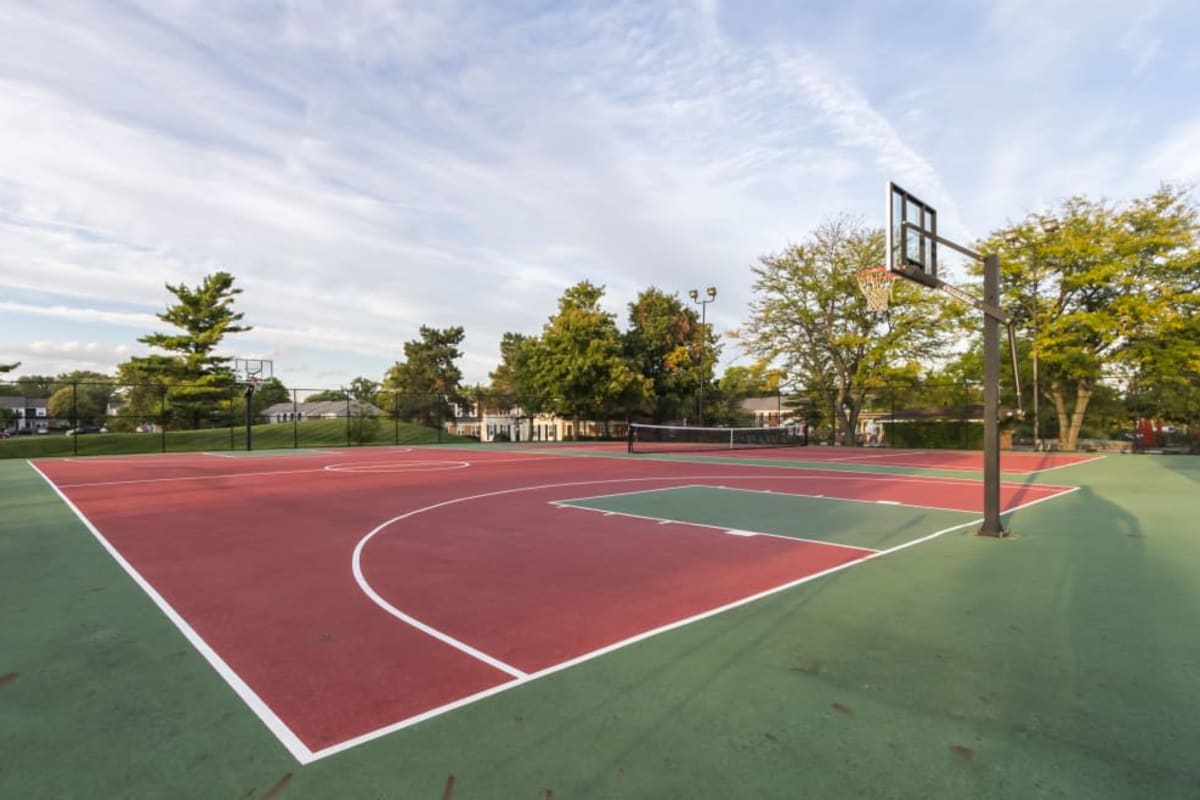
(245, 370)
(911, 235)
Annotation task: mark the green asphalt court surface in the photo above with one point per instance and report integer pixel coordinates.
(1062, 662)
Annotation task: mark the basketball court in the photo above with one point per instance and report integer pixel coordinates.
(305, 579)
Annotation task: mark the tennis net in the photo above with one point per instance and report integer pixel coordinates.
(682, 438)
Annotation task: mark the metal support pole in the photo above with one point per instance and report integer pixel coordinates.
(249, 417)
(703, 347)
(711, 294)
(1037, 433)
(74, 418)
(991, 401)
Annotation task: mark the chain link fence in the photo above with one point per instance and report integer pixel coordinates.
(94, 418)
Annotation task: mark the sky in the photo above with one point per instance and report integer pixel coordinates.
(366, 167)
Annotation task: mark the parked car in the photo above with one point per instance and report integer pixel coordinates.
(87, 429)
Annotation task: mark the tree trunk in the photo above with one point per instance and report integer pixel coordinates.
(1069, 424)
(1083, 395)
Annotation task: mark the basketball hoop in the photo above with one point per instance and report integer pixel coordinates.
(876, 286)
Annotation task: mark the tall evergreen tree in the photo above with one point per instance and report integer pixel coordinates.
(197, 378)
(422, 387)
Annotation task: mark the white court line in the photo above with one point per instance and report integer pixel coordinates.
(274, 724)
(362, 468)
(193, 477)
(304, 755)
(528, 678)
(1064, 466)
(866, 459)
(1023, 506)
(721, 528)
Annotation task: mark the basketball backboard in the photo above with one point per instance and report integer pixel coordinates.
(245, 370)
(911, 236)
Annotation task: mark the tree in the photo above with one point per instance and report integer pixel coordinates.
(82, 398)
(738, 384)
(198, 379)
(328, 395)
(422, 386)
(665, 343)
(1117, 290)
(7, 415)
(809, 318)
(363, 389)
(578, 366)
(271, 392)
(511, 382)
(36, 386)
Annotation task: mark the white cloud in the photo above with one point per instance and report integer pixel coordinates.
(364, 168)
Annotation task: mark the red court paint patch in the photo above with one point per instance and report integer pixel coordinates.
(541, 586)
(1014, 463)
(9, 677)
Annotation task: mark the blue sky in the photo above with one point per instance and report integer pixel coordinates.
(364, 167)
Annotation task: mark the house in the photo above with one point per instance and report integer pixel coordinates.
(28, 414)
(514, 424)
(768, 412)
(324, 409)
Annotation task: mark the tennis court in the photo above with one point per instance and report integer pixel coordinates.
(475, 622)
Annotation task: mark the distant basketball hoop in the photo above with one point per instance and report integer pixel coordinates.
(876, 285)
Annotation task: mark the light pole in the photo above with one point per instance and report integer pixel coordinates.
(1049, 225)
(695, 295)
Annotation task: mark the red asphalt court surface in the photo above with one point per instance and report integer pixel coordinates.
(345, 594)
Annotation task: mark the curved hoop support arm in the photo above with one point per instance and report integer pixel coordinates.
(995, 313)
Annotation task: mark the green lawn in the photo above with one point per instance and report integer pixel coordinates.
(309, 433)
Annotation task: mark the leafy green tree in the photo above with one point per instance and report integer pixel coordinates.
(666, 344)
(82, 398)
(8, 390)
(511, 382)
(809, 318)
(363, 389)
(422, 386)
(724, 406)
(578, 366)
(199, 380)
(1116, 290)
(7, 415)
(328, 395)
(271, 392)
(36, 386)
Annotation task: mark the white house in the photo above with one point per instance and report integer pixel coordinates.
(29, 414)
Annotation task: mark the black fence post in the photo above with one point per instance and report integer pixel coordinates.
(162, 416)
(892, 426)
(295, 420)
(249, 398)
(232, 444)
(347, 420)
(75, 417)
